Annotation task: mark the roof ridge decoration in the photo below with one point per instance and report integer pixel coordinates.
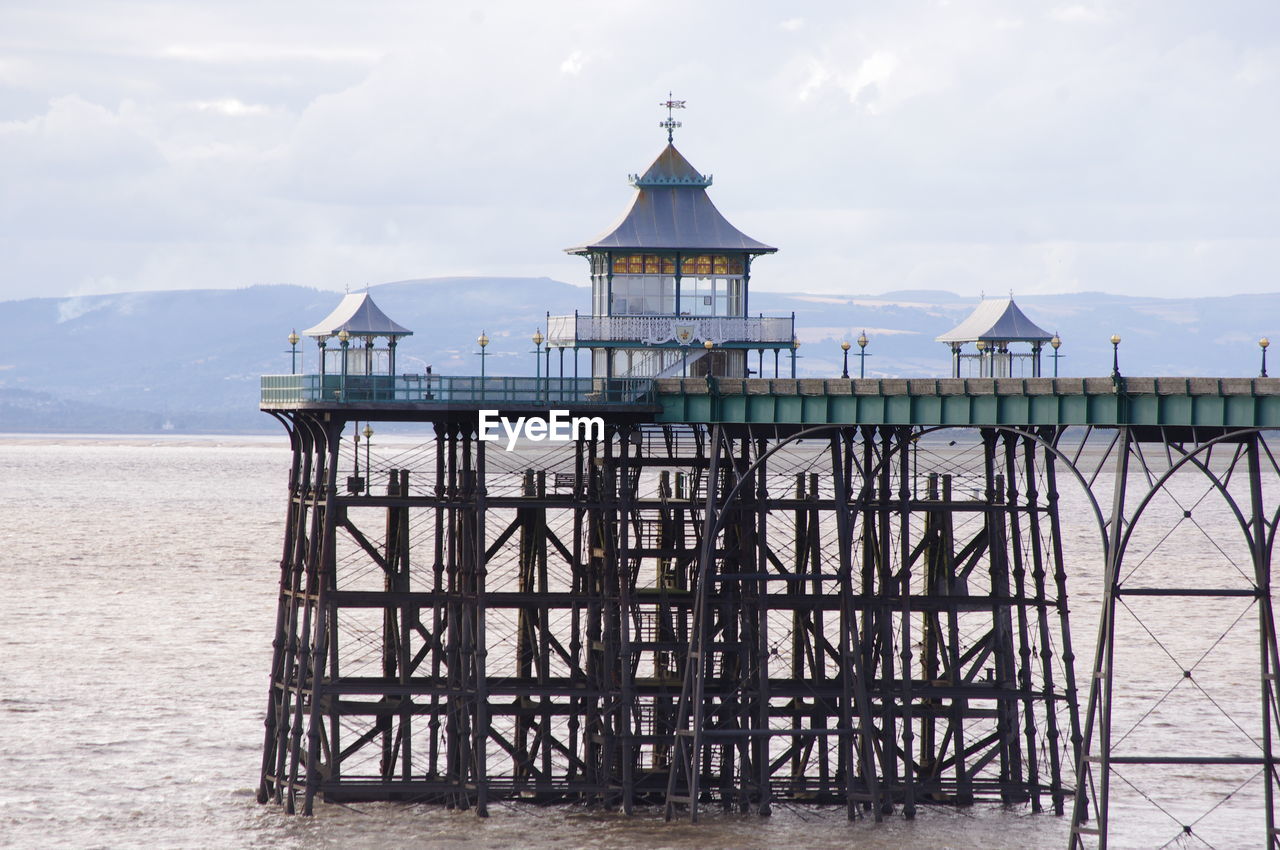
(670, 169)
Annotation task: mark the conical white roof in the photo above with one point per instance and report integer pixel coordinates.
(358, 316)
(996, 321)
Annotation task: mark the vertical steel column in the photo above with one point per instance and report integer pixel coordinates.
(321, 586)
(1100, 686)
(857, 748)
(1262, 538)
(687, 752)
(1019, 599)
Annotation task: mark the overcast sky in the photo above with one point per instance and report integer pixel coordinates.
(975, 146)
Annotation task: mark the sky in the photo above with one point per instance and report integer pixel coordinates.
(975, 147)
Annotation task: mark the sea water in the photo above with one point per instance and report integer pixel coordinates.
(137, 602)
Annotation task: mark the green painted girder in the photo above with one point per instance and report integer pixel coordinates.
(1164, 402)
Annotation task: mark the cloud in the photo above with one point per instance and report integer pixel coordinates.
(230, 106)
(573, 63)
(963, 146)
(77, 140)
(1078, 14)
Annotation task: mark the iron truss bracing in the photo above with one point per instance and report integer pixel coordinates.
(737, 614)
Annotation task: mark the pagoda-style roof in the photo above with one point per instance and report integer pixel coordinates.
(670, 169)
(996, 321)
(358, 316)
(671, 212)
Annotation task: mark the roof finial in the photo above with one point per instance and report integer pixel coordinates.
(670, 124)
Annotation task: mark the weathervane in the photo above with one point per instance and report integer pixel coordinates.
(670, 124)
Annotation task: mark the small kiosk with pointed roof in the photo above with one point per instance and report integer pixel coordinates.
(992, 327)
(669, 284)
(359, 367)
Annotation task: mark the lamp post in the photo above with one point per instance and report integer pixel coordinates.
(862, 354)
(483, 341)
(708, 345)
(795, 346)
(345, 338)
(537, 362)
(355, 484)
(368, 469)
(981, 345)
(844, 346)
(1263, 343)
(1115, 355)
(293, 352)
(1055, 344)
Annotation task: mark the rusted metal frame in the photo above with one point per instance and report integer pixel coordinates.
(284, 644)
(300, 665)
(324, 625)
(582, 488)
(1036, 535)
(937, 581)
(457, 729)
(594, 732)
(1014, 512)
(686, 755)
(1001, 622)
(881, 471)
(439, 520)
(857, 751)
(625, 611)
(959, 705)
(747, 694)
(544, 634)
(364, 543)
(527, 621)
(760, 517)
(410, 621)
(877, 744)
(478, 609)
(801, 624)
(395, 660)
(902, 437)
(820, 716)
(1070, 688)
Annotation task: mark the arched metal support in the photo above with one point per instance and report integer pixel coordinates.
(1092, 814)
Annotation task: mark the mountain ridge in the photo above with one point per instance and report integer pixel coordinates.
(189, 360)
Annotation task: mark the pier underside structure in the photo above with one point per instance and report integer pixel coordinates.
(722, 602)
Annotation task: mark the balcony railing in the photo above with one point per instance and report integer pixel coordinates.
(452, 389)
(743, 331)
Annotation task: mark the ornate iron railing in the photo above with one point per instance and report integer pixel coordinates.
(768, 331)
(452, 389)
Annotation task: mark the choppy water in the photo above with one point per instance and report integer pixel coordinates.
(137, 602)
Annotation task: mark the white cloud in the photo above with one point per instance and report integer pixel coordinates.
(230, 106)
(1078, 14)
(962, 146)
(573, 63)
(238, 52)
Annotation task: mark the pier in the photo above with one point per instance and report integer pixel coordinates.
(744, 589)
(748, 591)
